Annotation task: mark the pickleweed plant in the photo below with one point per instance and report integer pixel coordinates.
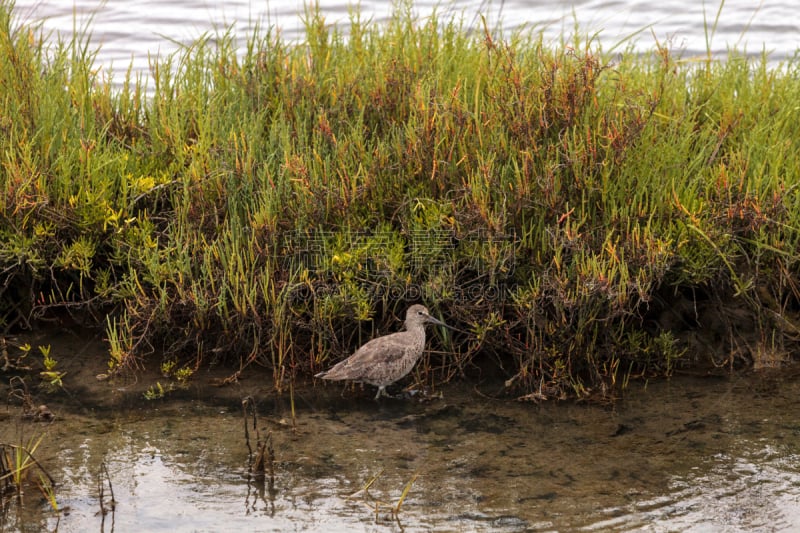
(585, 216)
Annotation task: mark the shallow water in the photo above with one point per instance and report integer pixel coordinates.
(690, 454)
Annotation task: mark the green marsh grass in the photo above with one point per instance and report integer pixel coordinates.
(588, 218)
(16, 464)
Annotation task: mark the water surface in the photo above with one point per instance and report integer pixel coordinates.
(689, 454)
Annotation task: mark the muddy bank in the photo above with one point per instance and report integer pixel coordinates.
(718, 340)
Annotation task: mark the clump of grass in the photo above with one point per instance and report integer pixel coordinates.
(17, 464)
(589, 220)
(376, 505)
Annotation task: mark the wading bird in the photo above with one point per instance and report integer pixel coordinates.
(384, 360)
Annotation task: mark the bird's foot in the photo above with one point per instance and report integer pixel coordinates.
(382, 392)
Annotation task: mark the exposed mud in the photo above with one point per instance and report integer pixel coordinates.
(720, 330)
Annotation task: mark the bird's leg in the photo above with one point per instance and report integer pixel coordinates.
(381, 392)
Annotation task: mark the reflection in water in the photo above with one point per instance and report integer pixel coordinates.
(713, 454)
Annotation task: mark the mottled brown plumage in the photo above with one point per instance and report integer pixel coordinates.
(384, 360)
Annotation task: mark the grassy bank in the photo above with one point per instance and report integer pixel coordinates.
(587, 219)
